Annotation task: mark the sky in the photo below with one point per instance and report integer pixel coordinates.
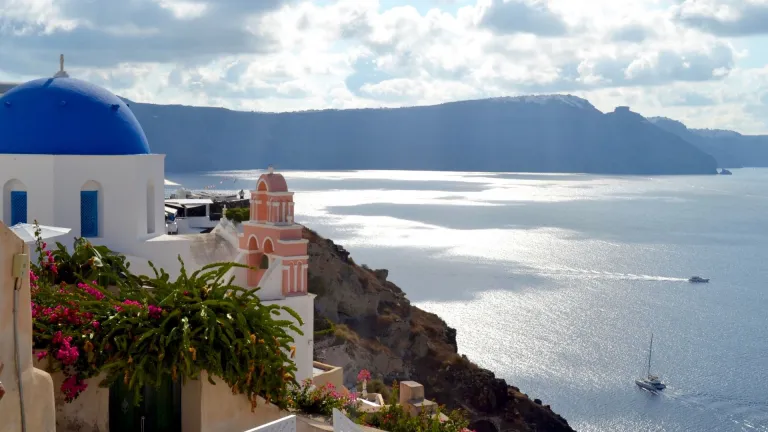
(703, 62)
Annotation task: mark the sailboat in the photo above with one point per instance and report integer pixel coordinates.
(650, 382)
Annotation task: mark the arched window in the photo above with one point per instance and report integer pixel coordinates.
(14, 202)
(151, 207)
(268, 248)
(90, 209)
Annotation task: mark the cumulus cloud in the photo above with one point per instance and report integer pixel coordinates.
(278, 55)
(106, 33)
(522, 16)
(632, 33)
(725, 17)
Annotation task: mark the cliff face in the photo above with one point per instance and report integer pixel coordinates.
(730, 149)
(556, 133)
(376, 328)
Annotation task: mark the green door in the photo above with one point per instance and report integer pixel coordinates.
(159, 410)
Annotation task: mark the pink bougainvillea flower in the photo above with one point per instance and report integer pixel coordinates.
(364, 375)
(67, 353)
(98, 295)
(155, 311)
(72, 387)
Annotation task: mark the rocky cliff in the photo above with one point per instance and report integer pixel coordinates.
(549, 133)
(730, 149)
(363, 321)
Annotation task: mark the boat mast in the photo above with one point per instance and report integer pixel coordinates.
(650, 351)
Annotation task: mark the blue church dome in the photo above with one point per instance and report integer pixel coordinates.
(68, 116)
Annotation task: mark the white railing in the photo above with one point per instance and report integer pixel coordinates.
(342, 423)
(285, 424)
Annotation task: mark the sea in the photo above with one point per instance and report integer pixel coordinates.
(556, 281)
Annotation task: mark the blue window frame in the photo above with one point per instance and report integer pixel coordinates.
(89, 213)
(18, 207)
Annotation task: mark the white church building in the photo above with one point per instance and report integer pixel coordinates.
(72, 154)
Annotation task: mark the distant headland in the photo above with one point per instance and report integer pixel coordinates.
(556, 133)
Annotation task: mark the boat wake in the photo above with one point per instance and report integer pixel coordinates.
(749, 415)
(569, 272)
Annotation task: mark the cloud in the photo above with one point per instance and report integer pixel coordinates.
(522, 16)
(281, 55)
(632, 33)
(686, 99)
(725, 17)
(106, 33)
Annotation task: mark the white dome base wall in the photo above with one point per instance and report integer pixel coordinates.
(53, 185)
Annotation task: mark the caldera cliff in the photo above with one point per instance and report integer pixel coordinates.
(375, 327)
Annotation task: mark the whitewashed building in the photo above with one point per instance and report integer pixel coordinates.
(72, 154)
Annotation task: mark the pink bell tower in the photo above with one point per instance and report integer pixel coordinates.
(272, 241)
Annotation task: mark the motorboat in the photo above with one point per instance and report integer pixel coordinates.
(650, 382)
(697, 279)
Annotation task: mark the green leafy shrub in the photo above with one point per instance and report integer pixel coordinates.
(324, 326)
(376, 386)
(176, 328)
(395, 418)
(86, 263)
(238, 214)
(308, 399)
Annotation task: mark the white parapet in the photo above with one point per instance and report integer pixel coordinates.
(342, 423)
(285, 424)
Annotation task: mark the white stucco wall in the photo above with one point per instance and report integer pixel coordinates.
(163, 252)
(53, 185)
(271, 293)
(271, 284)
(37, 385)
(305, 306)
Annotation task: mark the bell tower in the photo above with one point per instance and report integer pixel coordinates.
(272, 241)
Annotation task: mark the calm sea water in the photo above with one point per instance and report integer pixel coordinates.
(556, 282)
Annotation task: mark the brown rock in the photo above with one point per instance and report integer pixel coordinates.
(376, 328)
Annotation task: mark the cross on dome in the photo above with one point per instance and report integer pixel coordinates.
(61, 73)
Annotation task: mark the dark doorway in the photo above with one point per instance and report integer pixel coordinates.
(159, 410)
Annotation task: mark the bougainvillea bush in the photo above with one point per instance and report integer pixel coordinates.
(309, 399)
(143, 329)
(395, 418)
